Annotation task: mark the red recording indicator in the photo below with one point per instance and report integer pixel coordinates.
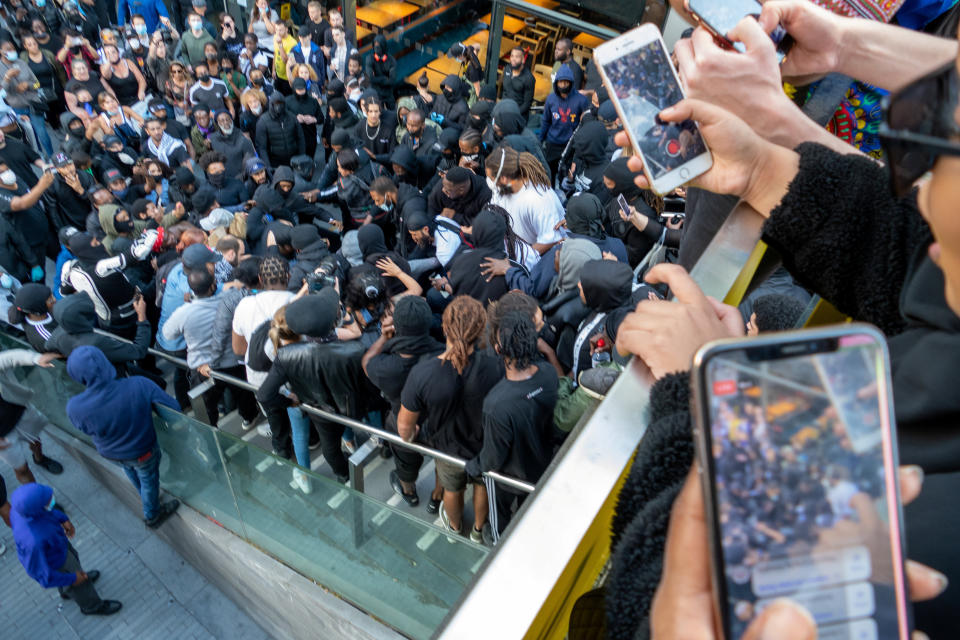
(724, 387)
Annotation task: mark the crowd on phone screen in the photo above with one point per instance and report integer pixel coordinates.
(295, 215)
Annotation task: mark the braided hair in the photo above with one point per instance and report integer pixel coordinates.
(507, 162)
(517, 339)
(463, 323)
(513, 241)
(274, 271)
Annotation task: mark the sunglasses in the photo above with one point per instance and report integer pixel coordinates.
(919, 126)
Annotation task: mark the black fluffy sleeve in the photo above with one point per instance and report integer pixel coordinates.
(842, 234)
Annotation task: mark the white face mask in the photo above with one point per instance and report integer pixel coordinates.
(8, 177)
(255, 109)
(196, 26)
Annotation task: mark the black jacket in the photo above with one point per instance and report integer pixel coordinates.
(70, 207)
(327, 376)
(467, 207)
(236, 147)
(77, 318)
(231, 193)
(519, 89)
(308, 259)
(379, 140)
(451, 112)
(381, 72)
(279, 139)
(16, 256)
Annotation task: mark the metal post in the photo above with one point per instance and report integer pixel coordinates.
(493, 41)
(357, 462)
(350, 19)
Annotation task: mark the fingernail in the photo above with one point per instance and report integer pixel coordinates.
(941, 580)
(786, 619)
(916, 471)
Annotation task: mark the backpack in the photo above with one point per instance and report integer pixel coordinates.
(256, 349)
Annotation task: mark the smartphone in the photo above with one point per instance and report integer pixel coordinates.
(624, 207)
(797, 453)
(719, 17)
(641, 81)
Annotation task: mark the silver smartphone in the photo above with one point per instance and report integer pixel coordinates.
(641, 82)
(796, 445)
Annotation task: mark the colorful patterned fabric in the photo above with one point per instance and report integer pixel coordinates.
(870, 9)
(858, 117)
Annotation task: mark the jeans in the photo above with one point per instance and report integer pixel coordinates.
(84, 594)
(300, 434)
(145, 476)
(39, 125)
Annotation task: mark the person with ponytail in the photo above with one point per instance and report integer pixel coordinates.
(519, 436)
(521, 186)
(438, 407)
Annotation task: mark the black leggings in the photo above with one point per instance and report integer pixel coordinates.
(330, 436)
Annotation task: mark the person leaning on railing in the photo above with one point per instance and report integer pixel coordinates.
(870, 253)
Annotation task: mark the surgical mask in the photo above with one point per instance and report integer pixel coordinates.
(6, 281)
(386, 206)
(491, 184)
(11, 55)
(256, 109)
(120, 193)
(227, 130)
(355, 95)
(134, 43)
(196, 26)
(53, 503)
(216, 179)
(8, 177)
(126, 158)
(141, 29)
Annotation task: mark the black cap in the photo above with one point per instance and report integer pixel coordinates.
(314, 315)
(112, 175)
(32, 298)
(203, 200)
(197, 255)
(61, 160)
(109, 141)
(299, 83)
(607, 112)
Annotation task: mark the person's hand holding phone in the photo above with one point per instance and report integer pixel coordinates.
(666, 334)
(744, 164)
(817, 35)
(683, 607)
(747, 84)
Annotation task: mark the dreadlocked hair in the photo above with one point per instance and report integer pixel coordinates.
(463, 325)
(518, 165)
(510, 302)
(517, 338)
(279, 331)
(513, 241)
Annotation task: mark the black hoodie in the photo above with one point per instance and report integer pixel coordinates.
(489, 232)
(381, 68)
(450, 108)
(465, 208)
(589, 146)
(77, 318)
(279, 137)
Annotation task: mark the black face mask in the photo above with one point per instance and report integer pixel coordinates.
(203, 77)
(77, 132)
(563, 92)
(448, 94)
(477, 123)
(123, 226)
(216, 179)
(278, 108)
(284, 191)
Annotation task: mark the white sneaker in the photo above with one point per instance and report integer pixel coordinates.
(264, 429)
(303, 481)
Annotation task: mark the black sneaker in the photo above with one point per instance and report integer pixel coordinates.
(92, 576)
(411, 499)
(50, 465)
(167, 509)
(105, 608)
(434, 505)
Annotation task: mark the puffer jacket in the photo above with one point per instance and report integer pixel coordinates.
(279, 138)
(452, 111)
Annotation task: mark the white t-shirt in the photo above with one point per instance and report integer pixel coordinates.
(535, 212)
(250, 314)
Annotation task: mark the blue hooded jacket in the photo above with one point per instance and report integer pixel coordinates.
(116, 413)
(41, 541)
(562, 115)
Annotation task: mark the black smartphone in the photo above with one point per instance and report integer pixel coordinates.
(797, 451)
(721, 16)
(624, 207)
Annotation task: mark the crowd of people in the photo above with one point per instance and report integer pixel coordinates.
(277, 206)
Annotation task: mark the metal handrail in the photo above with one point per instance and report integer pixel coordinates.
(515, 483)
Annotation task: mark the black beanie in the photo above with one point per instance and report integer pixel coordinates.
(314, 315)
(184, 176)
(32, 298)
(303, 235)
(459, 175)
(417, 220)
(412, 316)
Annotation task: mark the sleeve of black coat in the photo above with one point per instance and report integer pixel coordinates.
(261, 134)
(528, 86)
(269, 392)
(301, 140)
(842, 234)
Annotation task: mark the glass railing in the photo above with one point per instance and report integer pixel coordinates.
(401, 570)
